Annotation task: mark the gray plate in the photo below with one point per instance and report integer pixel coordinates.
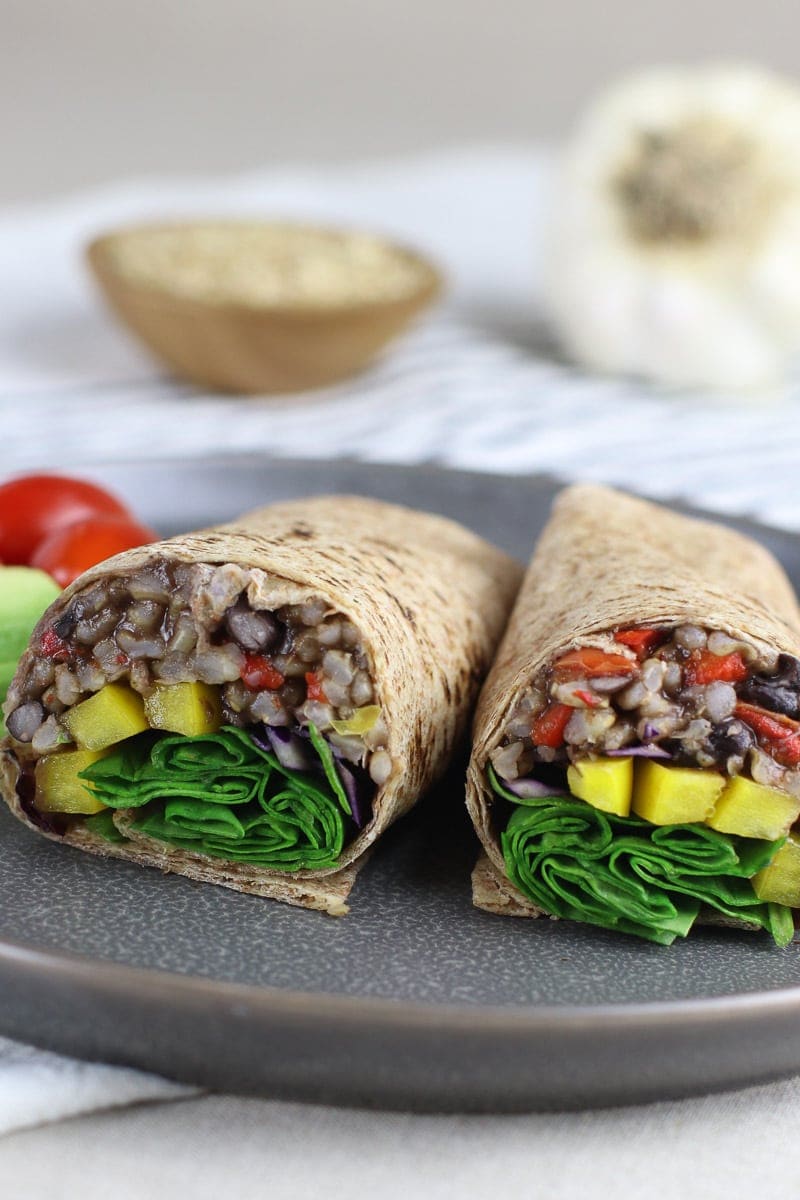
(416, 1000)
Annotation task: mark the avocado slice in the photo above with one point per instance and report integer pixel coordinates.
(24, 595)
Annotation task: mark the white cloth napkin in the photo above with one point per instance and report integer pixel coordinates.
(37, 1087)
(725, 1147)
(477, 386)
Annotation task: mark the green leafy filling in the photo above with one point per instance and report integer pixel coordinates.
(220, 794)
(624, 874)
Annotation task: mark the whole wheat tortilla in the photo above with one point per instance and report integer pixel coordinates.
(430, 599)
(606, 560)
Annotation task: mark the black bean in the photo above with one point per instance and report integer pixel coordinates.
(732, 738)
(292, 693)
(789, 666)
(23, 722)
(66, 623)
(679, 755)
(306, 646)
(252, 630)
(779, 692)
(286, 644)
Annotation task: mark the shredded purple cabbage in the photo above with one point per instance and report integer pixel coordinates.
(526, 788)
(359, 804)
(302, 732)
(260, 735)
(639, 752)
(292, 750)
(287, 748)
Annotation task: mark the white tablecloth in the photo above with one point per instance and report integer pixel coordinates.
(476, 385)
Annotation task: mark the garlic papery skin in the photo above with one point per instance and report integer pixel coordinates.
(673, 251)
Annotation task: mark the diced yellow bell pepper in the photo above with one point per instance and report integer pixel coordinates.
(187, 708)
(114, 713)
(362, 720)
(751, 809)
(58, 788)
(605, 783)
(666, 795)
(779, 883)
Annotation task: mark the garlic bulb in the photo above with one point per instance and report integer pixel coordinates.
(674, 251)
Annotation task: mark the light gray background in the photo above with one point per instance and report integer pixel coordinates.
(95, 89)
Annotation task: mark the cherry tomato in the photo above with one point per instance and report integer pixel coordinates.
(33, 506)
(70, 551)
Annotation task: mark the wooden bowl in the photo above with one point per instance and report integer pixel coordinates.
(248, 343)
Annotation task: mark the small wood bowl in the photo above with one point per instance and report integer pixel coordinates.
(255, 346)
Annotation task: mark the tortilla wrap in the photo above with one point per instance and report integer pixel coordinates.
(430, 600)
(607, 562)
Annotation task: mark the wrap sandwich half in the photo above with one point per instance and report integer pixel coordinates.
(252, 705)
(636, 754)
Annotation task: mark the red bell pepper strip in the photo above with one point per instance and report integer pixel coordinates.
(591, 662)
(548, 728)
(640, 640)
(778, 734)
(588, 698)
(258, 673)
(705, 667)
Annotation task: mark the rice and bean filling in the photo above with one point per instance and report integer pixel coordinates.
(286, 668)
(693, 696)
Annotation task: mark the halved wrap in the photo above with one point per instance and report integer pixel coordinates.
(253, 704)
(636, 752)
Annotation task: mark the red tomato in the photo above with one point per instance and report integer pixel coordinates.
(70, 551)
(33, 506)
(314, 687)
(258, 672)
(52, 646)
